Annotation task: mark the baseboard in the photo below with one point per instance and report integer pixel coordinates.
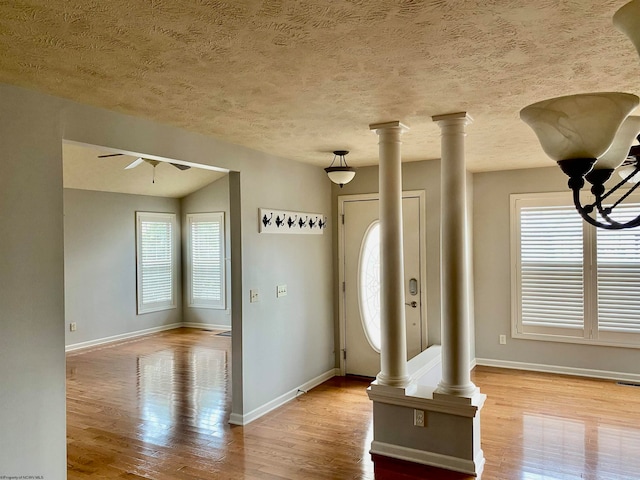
(579, 372)
(119, 338)
(470, 467)
(237, 419)
(206, 326)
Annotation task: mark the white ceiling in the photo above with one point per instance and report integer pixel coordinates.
(82, 169)
(300, 79)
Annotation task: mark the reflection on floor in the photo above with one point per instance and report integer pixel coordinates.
(158, 408)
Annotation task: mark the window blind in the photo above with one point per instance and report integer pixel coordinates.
(618, 259)
(207, 273)
(551, 268)
(155, 261)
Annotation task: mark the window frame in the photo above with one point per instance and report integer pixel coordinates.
(591, 334)
(202, 303)
(171, 219)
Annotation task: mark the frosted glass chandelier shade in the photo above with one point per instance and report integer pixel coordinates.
(627, 20)
(341, 175)
(619, 149)
(578, 126)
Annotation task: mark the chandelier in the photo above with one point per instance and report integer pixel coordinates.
(591, 135)
(342, 173)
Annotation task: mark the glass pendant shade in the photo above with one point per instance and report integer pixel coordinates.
(619, 150)
(627, 20)
(340, 175)
(578, 126)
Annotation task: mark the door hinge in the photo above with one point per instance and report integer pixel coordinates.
(344, 354)
(344, 287)
(343, 218)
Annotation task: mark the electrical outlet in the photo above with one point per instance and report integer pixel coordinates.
(254, 296)
(503, 339)
(73, 327)
(418, 418)
(281, 291)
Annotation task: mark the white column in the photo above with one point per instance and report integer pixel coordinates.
(454, 270)
(393, 353)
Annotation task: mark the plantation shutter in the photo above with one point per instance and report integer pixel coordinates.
(155, 261)
(207, 273)
(551, 271)
(618, 261)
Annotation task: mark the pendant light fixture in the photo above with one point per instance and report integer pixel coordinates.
(591, 136)
(342, 173)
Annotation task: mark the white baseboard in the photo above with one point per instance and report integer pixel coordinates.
(579, 372)
(237, 419)
(206, 326)
(470, 467)
(118, 338)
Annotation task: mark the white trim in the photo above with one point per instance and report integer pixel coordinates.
(471, 467)
(120, 337)
(342, 199)
(239, 419)
(206, 326)
(578, 372)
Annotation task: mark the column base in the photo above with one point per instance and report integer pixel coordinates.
(417, 423)
(390, 381)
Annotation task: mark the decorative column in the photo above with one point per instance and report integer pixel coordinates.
(454, 271)
(393, 352)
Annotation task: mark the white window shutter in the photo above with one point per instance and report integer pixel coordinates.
(618, 260)
(206, 260)
(551, 271)
(155, 261)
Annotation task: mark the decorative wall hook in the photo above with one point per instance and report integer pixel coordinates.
(291, 222)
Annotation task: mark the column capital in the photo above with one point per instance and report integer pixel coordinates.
(396, 125)
(453, 118)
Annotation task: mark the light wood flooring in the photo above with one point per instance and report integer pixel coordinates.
(158, 408)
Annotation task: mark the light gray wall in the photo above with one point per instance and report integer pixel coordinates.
(493, 277)
(32, 362)
(282, 343)
(100, 264)
(212, 198)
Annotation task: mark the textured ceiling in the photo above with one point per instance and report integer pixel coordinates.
(300, 79)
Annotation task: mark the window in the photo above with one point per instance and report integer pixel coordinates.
(156, 261)
(206, 272)
(369, 285)
(571, 281)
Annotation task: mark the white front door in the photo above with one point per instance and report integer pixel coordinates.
(361, 253)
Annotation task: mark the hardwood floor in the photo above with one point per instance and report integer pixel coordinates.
(158, 408)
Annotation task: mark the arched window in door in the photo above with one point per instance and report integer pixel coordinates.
(369, 285)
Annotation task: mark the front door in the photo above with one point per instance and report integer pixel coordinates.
(361, 254)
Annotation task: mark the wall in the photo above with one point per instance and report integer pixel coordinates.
(32, 366)
(212, 198)
(277, 344)
(493, 277)
(100, 264)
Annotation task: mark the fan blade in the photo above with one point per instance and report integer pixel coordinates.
(181, 167)
(110, 155)
(135, 163)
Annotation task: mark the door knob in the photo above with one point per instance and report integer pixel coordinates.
(413, 304)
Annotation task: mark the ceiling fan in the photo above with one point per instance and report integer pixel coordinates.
(140, 160)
